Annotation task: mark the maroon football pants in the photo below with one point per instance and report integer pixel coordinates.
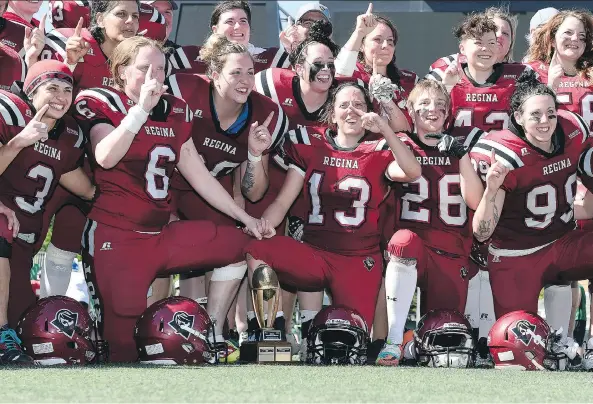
(354, 281)
(517, 280)
(443, 277)
(120, 265)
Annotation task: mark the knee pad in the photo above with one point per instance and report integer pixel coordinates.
(405, 243)
(230, 272)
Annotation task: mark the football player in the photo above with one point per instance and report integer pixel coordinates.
(67, 13)
(22, 12)
(13, 67)
(527, 206)
(86, 51)
(16, 32)
(231, 18)
(139, 135)
(41, 147)
(506, 29)
(433, 235)
(341, 172)
(561, 53)
(372, 43)
(226, 112)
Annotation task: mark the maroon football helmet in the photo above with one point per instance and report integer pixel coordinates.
(338, 336)
(57, 331)
(443, 338)
(523, 340)
(175, 331)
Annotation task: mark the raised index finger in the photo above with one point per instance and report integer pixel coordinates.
(370, 9)
(39, 115)
(268, 119)
(42, 24)
(492, 156)
(78, 29)
(148, 76)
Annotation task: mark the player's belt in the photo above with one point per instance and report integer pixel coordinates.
(500, 252)
(28, 238)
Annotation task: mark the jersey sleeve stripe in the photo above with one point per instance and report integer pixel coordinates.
(585, 163)
(382, 145)
(113, 98)
(174, 86)
(57, 42)
(503, 153)
(280, 58)
(302, 137)
(280, 128)
(268, 87)
(474, 136)
(582, 125)
(156, 17)
(80, 141)
(259, 83)
(280, 162)
(10, 112)
(179, 59)
(434, 75)
(106, 97)
(297, 169)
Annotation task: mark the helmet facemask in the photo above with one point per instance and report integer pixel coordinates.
(338, 344)
(449, 346)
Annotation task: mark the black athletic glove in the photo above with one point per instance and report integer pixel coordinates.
(448, 145)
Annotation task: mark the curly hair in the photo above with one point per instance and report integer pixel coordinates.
(474, 26)
(504, 14)
(215, 50)
(328, 110)
(319, 32)
(528, 86)
(543, 44)
(102, 7)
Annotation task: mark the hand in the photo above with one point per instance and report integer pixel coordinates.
(496, 173)
(292, 36)
(555, 72)
(13, 222)
(252, 227)
(34, 42)
(34, 131)
(266, 229)
(372, 122)
(448, 145)
(260, 138)
(76, 46)
(451, 76)
(366, 22)
(150, 92)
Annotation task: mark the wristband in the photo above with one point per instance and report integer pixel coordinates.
(135, 119)
(346, 62)
(252, 158)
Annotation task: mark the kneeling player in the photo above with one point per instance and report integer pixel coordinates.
(434, 238)
(342, 176)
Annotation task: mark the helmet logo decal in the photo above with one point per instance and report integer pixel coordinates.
(182, 323)
(525, 332)
(65, 322)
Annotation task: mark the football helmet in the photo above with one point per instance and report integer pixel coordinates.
(176, 331)
(523, 340)
(338, 336)
(57, 330)
(443, 338)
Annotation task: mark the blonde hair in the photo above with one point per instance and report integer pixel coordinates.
(125, 53)
(542, 45)
(504, 14)
(215, 50)
(431, 86)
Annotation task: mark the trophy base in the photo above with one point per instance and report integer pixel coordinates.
(266, 352)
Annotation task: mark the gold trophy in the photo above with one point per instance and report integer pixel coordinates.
(270, 347)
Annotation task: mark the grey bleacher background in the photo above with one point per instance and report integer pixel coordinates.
(425, 27)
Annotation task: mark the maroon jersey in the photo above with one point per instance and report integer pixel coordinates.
(92, 70)
(575, 93)
(432, 206)
(134, 195)
(485, 106)
(342, 190)
(540, 188)
(13, 67)
(67, 13)
(186, 59)
(19, 20)
(12, 34)
(31, 179)
(222, 151)
(436, 71)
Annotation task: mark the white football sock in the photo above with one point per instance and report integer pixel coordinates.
(558, 305)
(400, 285)
(472, 305)
(487, 315)
(55, 275)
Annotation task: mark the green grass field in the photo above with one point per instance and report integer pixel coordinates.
(290, 384)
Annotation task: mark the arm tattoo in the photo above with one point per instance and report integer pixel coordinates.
(248, 179)
(483, 231)
(495, 215)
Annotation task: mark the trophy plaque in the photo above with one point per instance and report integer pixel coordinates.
(270, 348)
